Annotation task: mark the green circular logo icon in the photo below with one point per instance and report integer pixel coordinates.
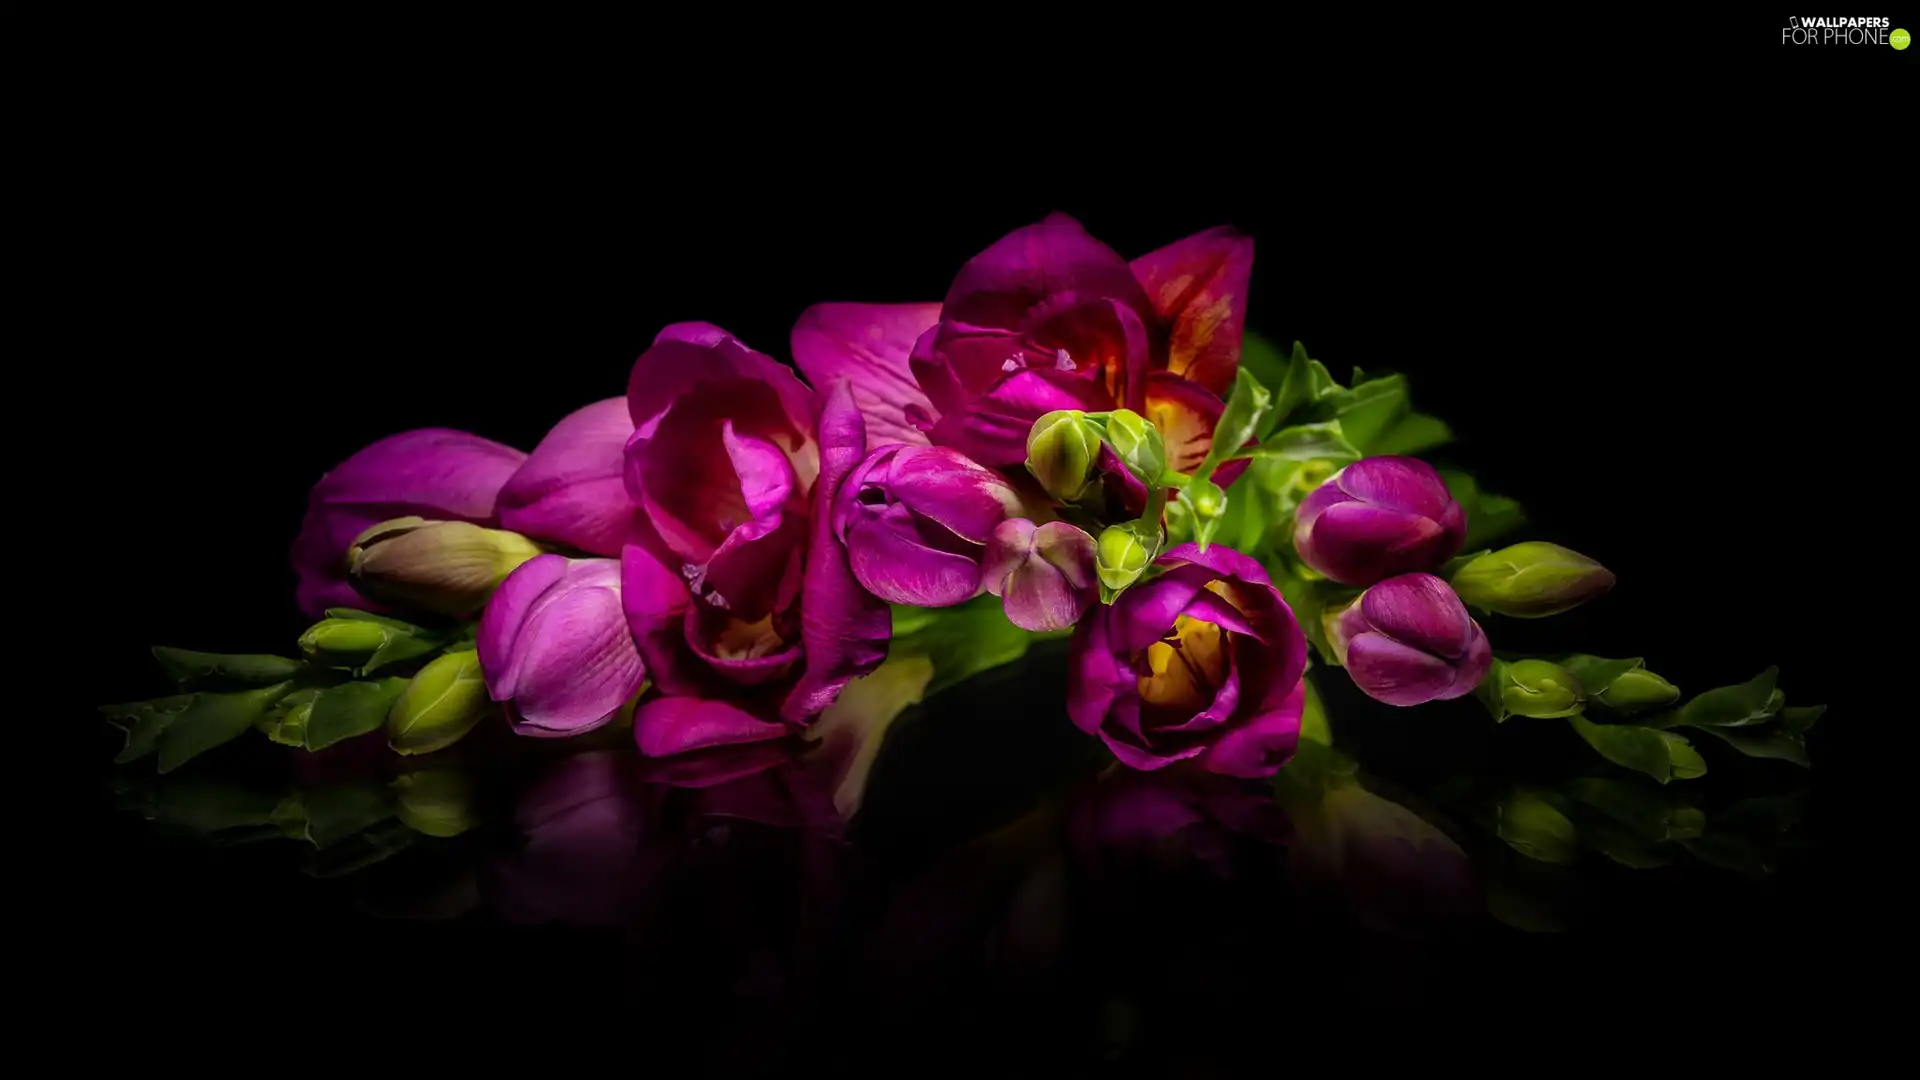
(1899, 39)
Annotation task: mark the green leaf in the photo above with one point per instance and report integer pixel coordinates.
(351, 709)
(336, 812)
(1239, 421)
(1305, 442)
(1655, 814)
(1413, 433)
(1596, 673)
(251, 669)
(1370, 410)
(1535, 828)
(1659, 754)
(1489, 516)
(1798, 719)
(1772, 741)
(962, 641)
(1750, 702)
(1263, 359)
(144, 721)
(1487, 690)
(212, 720)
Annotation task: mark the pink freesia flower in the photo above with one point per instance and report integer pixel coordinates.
(572, 488)
(1049, 318)
(554, 643)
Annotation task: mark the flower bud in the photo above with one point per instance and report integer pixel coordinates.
(1539, 688)
(1139, 444)
(442, 703)
(1061, 449)
(1636, 690)
(1124, 553)
(1044, 575)
(443, 567)
(1531, 580)
(343, 642)
(1409, 640)
(1376, 518)
(434, 802)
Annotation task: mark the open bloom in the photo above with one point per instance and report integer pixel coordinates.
(916, 521)
(434, 473)
(1204, 661)
(1379, 517)
(1409, 640)
(554, 642)
(572, 488)
(1048, 318)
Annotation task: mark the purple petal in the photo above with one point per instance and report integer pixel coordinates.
(1263, 743)
(720, 765)
(506, 614)
(999, 285)
(1011, 546)
(843, 628)
(1040, 597)
(1357, 543)
(655, 600)
(1214, 608)
(1199, 285)
(992, 429)
(868, 345)
(1398, 674)
(1137, 757)
(1221, 560)
(571, 488)
(1069, 549)
(1144, 613)
(759, 559)
(1104, 342)
(1095, 675)
(1397, 483)
(576, 660)
(1471, 667)
(1422, 611)
(703, 629)
(687, 354)
(433, 473)
(890, 557)
(667, 726)
(942, 485)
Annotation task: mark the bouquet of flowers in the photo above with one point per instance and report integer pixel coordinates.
(741, 561)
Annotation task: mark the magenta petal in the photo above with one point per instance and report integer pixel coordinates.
(1219, 559)
(1422, 611)
(1199, 286)
(1095, 675)
(433, 473)
(992, 429)
(1396, 673)
(1055, 255)
(892, 560)
(1261, 745)
(843, 628)
(1039, 598)
(1213, 608)
(686, 354)
(505, 615)
(942, 485)
(1103, 341)
(1472, 665)
(1397, 483)
(1356, 543)
(1135, 757)
(656, 600)
(868, 345)
(571, 489)
(750, 567)
(1009, 549)
(575, 660)
(1045, 575)
(667, 726)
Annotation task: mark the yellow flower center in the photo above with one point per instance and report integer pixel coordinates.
(741, 640)
(1185, 669)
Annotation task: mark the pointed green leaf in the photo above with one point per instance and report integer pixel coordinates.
(1368, 411)
(1239, 421)
(351, 709)
(1798, 718)
(144, 721)
(212, 720)
(1659, 754)
(1305, 442)
(1751, 702)
(1772, 741)
(1414, 433)
(1596, 673)
(188, 667)
(1263, 359)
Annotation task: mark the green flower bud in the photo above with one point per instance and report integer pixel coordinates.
(444, 567)
(286, 722)
(1531, 580)
(1138, 444)
(1539, 688)
(1636, 690)
(1124, 553)
(442, 703)
(1062, 447)
(434, 802)
(343, 642)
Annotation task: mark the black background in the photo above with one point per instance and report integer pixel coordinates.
(1591, 281)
